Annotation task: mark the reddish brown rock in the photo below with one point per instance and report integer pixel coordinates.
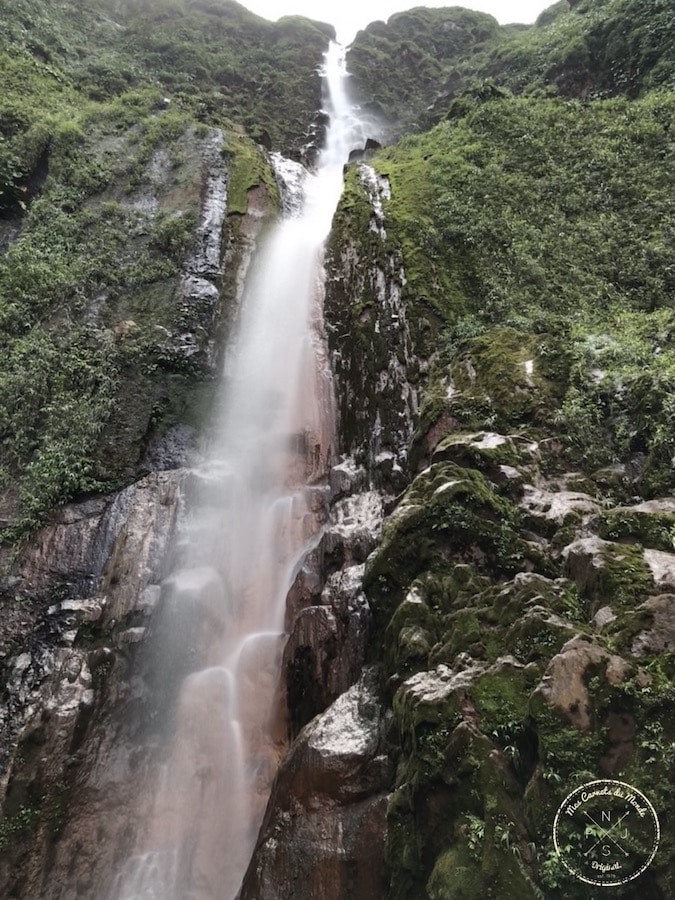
(324, 833)
(564, 682)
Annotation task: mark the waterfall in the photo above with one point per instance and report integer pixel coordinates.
(258, 509)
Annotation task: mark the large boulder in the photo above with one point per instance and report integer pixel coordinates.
(323, 835)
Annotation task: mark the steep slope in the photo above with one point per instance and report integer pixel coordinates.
(412, 67)
(399, 67)
(115, 122)
(524, 586)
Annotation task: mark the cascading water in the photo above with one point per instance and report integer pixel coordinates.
(258, 511)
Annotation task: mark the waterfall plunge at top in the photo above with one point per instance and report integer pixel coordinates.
(259, 510)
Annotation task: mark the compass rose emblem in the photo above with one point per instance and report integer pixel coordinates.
(606, 832)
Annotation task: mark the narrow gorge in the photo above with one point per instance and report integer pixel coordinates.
(336, 493)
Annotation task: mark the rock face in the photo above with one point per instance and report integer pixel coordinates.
(520, 605)
(322, 836)
(563, 684)
(72, 702)
(79, 743)
(329, 616)
(372, 350)
(488, 619)
(484, 555)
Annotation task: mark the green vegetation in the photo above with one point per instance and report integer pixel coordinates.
(599, 48)
(214, 59)
(651, 528)
(530, 234)
(399, 66)
(84, 293)
(529, 244)
(412, 69)
(464, 198)
(106, 117)
(547, 225)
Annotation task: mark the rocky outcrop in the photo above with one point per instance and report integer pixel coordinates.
(322, 835)
(195, 330)
(71, 696)
(327, 646)
(516, 642)
(329, 617)
(372, 351)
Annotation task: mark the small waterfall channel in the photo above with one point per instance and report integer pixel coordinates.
(260, 504)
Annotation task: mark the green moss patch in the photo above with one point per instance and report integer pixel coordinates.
(650, 528)
(447, 512)
(499, 380)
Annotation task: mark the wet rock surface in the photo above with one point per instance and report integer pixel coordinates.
(78, 738)
(518, 604)
(520, 607)
(322, 835)
(488, 553)
(372, 350)
(71, 699)
(330, 619)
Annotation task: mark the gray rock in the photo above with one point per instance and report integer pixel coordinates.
(347, 478)
(355, 525)
(324, 831)
(205, 260)
(603, 617)
(564, 685)
(557, 506)
(660, 636)
(583, 561)
(175, 448)
(662, 566)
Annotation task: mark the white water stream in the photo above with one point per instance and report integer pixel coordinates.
(260, 510)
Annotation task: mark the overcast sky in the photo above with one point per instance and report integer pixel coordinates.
(350, 15)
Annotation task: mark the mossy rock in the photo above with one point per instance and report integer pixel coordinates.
(529, 617)
(651, 527)
(448, 512)
(410, 636)
(500, 379)
(459, 875)
(248, 168)
(452, 586)
(608, 574)
(497, 694)
(567, 758)
(528, 590)
(434, 422)
(502, 694)
(462, 796)
(538, 635)
(464, 633)
(484, 451)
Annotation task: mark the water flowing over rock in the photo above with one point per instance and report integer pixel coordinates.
(258, 505)
(322, 835)
(373, 555)
(78, 731)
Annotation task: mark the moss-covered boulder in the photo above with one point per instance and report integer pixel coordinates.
(457, 784)
(651, 524)
(447, 513)
(499, 378)
(608, 574)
